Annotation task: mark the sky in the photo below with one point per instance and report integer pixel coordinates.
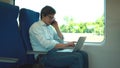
(81, 10)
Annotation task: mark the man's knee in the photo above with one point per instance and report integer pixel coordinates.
(83, 53)
(78, 56)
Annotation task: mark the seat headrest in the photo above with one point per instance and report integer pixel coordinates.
(8, 11)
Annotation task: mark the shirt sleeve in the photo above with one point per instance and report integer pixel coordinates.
(56, 37)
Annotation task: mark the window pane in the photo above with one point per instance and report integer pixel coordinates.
(75, 17)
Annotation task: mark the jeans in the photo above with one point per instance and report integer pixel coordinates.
(53, 59)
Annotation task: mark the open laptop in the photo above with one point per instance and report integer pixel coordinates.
(78, 45)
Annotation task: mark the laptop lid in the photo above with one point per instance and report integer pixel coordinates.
(79, 43)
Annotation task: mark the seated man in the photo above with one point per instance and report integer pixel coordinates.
(45, 38)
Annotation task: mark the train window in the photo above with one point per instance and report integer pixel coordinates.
(76, 17)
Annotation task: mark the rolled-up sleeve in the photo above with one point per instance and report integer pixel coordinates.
(57, 38)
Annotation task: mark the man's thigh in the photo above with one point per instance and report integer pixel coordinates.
(62, 59)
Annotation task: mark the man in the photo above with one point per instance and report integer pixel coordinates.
(45, 38)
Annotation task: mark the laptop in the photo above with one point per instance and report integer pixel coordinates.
(77, 47)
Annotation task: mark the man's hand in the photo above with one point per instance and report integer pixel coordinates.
(71, 44)
(55, 24)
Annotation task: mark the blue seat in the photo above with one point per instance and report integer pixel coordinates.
(11, 45)
(26, 19)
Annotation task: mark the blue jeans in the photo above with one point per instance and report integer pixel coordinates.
(55, 59)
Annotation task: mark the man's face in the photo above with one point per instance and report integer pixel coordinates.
(49, 19)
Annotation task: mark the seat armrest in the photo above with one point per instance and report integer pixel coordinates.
(36, 52)
(8, 60)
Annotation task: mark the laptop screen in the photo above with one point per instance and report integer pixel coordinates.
(80, 43)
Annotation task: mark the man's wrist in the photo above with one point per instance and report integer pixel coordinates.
(66, 45)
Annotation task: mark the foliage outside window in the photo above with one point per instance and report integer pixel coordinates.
(96, 27)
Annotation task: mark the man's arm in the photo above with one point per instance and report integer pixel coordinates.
(69, 44)
(61, 45)
(55, 25)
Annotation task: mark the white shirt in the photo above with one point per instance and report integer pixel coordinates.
(43, 37)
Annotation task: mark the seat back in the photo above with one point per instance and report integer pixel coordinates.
(26, 18)
(10, 41)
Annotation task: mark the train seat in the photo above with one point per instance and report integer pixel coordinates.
(26, 18)
(12, 51)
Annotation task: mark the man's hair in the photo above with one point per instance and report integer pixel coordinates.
(47, 10)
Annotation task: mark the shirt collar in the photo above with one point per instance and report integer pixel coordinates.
(42, 23)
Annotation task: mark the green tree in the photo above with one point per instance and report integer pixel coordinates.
(96, 27)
